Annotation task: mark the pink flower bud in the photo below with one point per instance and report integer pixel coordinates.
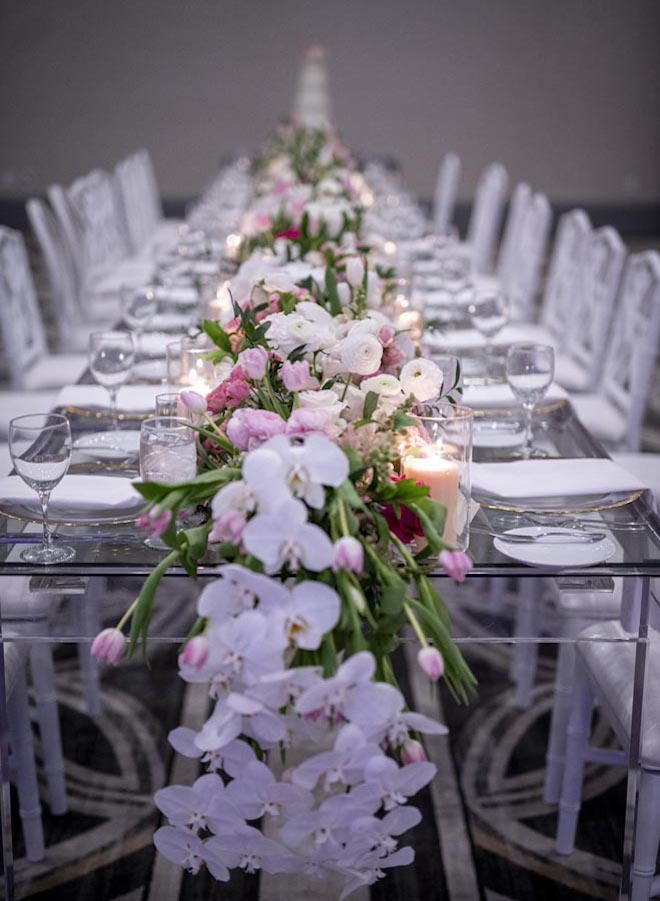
(109, 646)
(195, 653)
(154, 522)
(430, 660)
(456, 564)
(412, 752)
(193, 402)
(354, 271)
(254, 362)
(386, 335)
(228, 526)
(349, 555)
(295, 376)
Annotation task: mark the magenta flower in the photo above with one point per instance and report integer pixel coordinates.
(254, 362)
(109, 646)
(195, 653)
(430, 660)
(349, 555)
(456, 564)
(408, 525)
(249, 429)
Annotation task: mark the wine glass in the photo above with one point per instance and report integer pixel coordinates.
(529, 371)
(489, 311)
(138, 308)
(111, 357)
(168, 454)
(40, 447)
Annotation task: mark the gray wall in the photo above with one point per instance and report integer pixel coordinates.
(564, 92)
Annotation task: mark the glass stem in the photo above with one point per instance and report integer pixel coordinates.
(488, 359)
(529, 412)
(113, 407)
(43, 500)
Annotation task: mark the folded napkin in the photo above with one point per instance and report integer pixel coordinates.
(130, 398)
(499, 396)
(182, 294)
(75, 492)
(551, 478)
(153, 344)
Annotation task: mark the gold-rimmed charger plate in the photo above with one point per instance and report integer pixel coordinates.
(26, 512)
(569, 507)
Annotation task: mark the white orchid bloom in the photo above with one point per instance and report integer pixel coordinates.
(370, 868)
(309, 466)
(287, 539)
(396, 784)
(193, 806)
(329, 826)
(262, 487)
(378, 709)
(330, 696)
(187, 850)
(343, 765)
(312, 610)
(281, 689)
(249, 850)
(233, 758)
(237, 714)
(376, 834)
(256, 792)
(244, 648)
(238, 589)
(421, 378)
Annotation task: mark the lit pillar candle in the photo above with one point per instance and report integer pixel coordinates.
(441, 476)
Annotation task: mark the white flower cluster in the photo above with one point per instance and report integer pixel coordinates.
(340, 810)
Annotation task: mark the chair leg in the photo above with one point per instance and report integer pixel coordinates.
(88, 621)
(496, 589)
(525, 654)
(561, 711)
(647, 836)
(43, 681)
(576, 744)
(20, 730)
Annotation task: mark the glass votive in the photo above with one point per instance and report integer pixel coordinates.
(169, 404)
(168, 452)
(443, 464)
(219, 304)
(407, 309)
(197, 370)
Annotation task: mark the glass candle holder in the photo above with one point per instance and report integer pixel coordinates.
(169, 404)
(218, 303)
(407, 309)
(197, 371)
(442, 461)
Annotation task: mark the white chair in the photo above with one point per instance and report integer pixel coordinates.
(605, 673)
(16, 403)
(446, 190)
(614, 415)
(522, 272)
(486, 217)
(522, 194)
(141, 203)
(31, 365)
(579, 362)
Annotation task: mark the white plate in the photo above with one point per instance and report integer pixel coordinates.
(114, 445)
(553, 554)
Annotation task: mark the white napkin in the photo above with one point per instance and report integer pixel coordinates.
(153, 344)
(130, 398)
(486, 397)
(75, 492)
(182, 295)
(551, 478)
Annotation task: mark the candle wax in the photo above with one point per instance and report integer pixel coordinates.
(441, 476)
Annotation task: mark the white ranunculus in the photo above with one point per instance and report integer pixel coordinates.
(327, 400)
(422, 379)
(366, 326)
(353, 403)
(354, 271)
(361, 354)
(280, 280)
(385, 385)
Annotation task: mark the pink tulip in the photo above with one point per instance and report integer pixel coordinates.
(296, 376)
(412, 752)
(349, 555)
(430, 660)
(193, 402)
(254, 362)
(195, 653)
(456, 564)
(228, 527)
(154, 522)
(109, 646)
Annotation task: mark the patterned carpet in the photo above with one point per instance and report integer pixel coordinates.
(486, 833)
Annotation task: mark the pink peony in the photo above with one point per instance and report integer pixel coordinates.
(456, 564)
(430, 660)
(309, 421)
(254, 362)
(109, 646)
(349, 555)
(195, 653)
(296, 376)
(229, 394)
(249, 428)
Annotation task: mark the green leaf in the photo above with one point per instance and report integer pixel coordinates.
(331, 291)
(401, 420)
(370, 404)
(392, 598)
(217, 334)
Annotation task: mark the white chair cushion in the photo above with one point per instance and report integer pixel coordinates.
(18, 403)
(646, 466)
(611, 666)
(54, 371)
(571, 375)
(599, 417)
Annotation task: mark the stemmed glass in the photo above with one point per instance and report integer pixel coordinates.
(529, 371)
(40, 447)
(111, 357)
(489, 311)
(138, 308)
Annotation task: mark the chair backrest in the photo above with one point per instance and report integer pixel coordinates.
(597, 288)
(633, 343)
(561, 284)
(96, 204)
(23, 332)
(71, 228)
(486, 217)
(59, 265)
(523, 276)
(139, 196)
(446, 189)
(522, 194)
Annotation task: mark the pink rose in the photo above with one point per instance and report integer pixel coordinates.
(308, 421)
(109, 646)
(248, 429)
(229, 394)
(254, 362)
(456, 564)
(296, 376)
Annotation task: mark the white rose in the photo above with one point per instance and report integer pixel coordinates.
(354, 271)
(361, 354)
(422, 379)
